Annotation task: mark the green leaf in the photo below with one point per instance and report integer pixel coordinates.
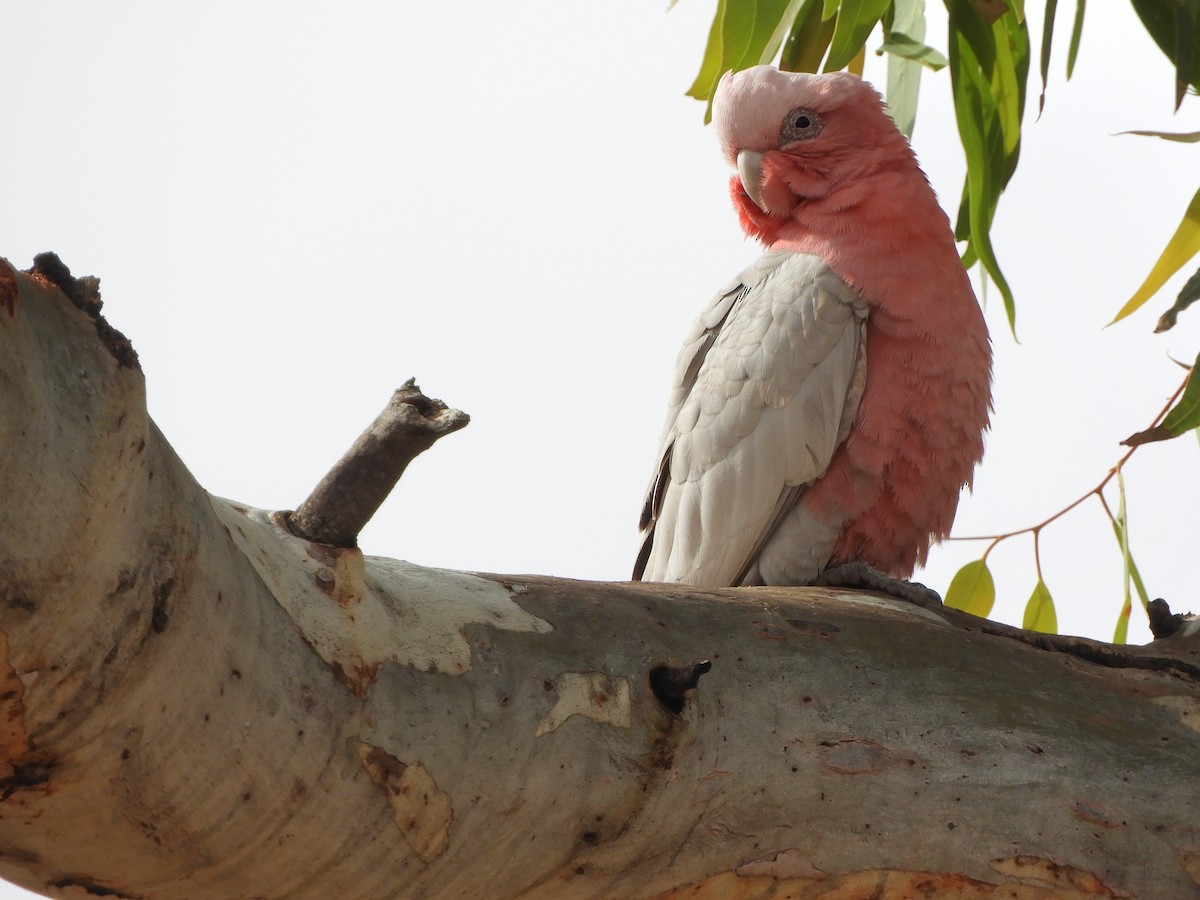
(1121, 635)
(906, 18)
(1138, 584)
(910, 48)
(1047, 41)
(744, 33)
(1008, 82)
(1190, 137)
(1173, 25)
(966, 21)
(855, 20)
(1121, 632)
(989, 66)
(1188, 295)
(1039, 611)
(972, 589)
(1076, 34)
(1121, 529)
(1183, 417)
(808, 40)
(858, 62)
(710, 68)
(1184, 244)
(782, 26)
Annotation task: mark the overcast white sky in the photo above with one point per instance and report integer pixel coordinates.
(293, 207)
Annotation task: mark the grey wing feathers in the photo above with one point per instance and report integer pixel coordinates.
(687, 367)
(765, 390)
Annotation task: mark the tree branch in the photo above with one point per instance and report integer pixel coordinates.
(342, 504)
(185, 715)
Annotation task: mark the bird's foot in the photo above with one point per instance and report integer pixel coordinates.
(858, 574)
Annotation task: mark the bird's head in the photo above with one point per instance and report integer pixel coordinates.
(795, 138)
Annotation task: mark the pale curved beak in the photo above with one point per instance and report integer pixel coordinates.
(749, 166)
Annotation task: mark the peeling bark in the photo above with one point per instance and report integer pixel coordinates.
(197, 703)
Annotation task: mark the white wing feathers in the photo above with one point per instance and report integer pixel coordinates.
(766, 387)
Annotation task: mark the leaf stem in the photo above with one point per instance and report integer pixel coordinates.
(1037, 554)
(1097, 491)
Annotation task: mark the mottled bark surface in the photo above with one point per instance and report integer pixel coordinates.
(198, 704)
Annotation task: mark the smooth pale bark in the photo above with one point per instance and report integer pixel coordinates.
(198, 704)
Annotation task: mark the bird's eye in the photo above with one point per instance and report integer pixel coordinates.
(799, 125)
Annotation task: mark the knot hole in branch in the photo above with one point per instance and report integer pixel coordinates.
(670, 684)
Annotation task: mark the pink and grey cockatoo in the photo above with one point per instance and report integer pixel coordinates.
(830, 402)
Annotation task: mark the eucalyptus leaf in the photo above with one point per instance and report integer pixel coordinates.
(1134, 574)
(808, 39)
(1039, 611)
(1188, 295)
(1173, 25)
(744, 33)
(1183, 417)
(1047, 41)
(973, 62)
(905, 18)
(910, 48)
(972, 589)
(710, 68)
(1121, 631)
(1183, 245)
(1186, 137)
(855, 21)
(1131, 573)
(1076, 34)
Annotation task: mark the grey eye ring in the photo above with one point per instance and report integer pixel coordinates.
(800, 124)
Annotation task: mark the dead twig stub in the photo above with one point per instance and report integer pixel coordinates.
(338, 508)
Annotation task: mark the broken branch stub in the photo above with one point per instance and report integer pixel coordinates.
(342, 504)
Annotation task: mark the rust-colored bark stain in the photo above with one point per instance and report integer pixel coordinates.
(822, 630)
(1068, 881)
(52, 273)
(856, 756)
(14, 740)
(885, 884)
(357, 678)
(769, 632)
(342, 576)
(1097, 814)
(423, 813)
(9, 293)
(22, 767)
(41, 280)
(1190, 863)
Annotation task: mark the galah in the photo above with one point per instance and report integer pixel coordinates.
(829, 404)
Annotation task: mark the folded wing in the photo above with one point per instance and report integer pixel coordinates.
(766, 387)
